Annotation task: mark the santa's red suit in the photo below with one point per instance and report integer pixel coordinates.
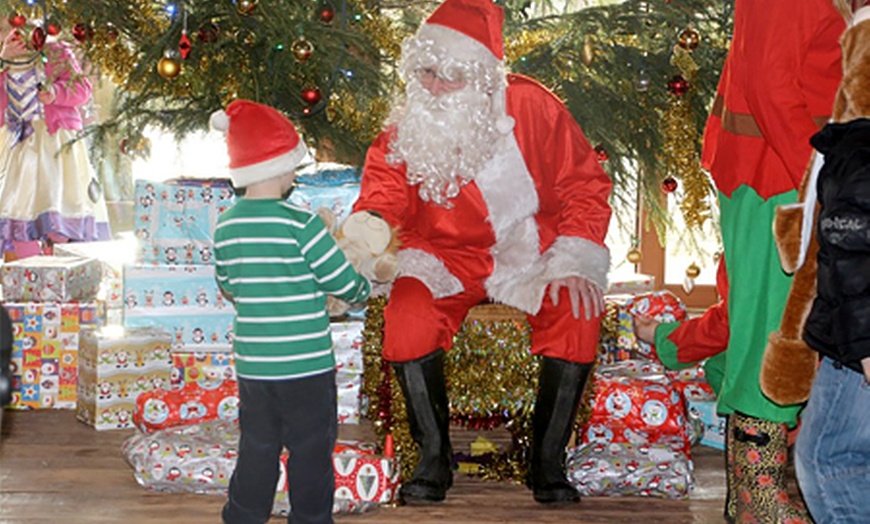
(536, 212)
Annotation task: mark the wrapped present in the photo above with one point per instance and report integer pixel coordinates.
(115, 367)
(625, 469)
(663, 306)
(692, 383)
(161, 408)
(617, 341)
(45, 352)
(347, 339)
(113, 255)
(333, 186)
(182, 300)
(630, 284)
(635, 402)
(52, 279)
(174, 221)
(714, 426)
(201, 458)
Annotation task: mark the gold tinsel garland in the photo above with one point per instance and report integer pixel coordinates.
(680, 153)
(491, 381)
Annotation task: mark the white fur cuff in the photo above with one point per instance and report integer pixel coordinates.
(577, 257)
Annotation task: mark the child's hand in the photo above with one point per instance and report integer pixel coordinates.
(13, 46)
(645, 329)
(46, 96)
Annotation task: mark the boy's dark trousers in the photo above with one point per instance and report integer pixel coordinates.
(301, 415)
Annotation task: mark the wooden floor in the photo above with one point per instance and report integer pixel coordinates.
(56, 469)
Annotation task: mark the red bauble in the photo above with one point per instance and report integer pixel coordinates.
(81, 32)
(184, 46)
(17, 20)
(53, 29)
(678, 85)
(669, 185)
(37, 38)
(311, 96)
(327, 13)
(306, 111)
(601, 153)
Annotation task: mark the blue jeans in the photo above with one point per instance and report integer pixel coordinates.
(832, 453)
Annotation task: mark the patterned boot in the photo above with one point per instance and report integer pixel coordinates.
(731, 489)
(760, 455)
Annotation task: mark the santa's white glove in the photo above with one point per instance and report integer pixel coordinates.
(367, 241)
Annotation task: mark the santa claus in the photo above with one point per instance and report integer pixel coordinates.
(494, 194)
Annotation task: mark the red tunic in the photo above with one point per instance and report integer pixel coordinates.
(777, 88)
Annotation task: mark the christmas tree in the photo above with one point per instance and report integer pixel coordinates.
(638, 75)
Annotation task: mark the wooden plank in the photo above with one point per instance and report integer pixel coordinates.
(56, 469)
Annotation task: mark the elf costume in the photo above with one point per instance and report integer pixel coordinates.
(777, 88)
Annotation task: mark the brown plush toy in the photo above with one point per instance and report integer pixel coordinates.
(789, 365)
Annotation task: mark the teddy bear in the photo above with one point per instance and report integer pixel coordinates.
(370, 245)
(789, 364)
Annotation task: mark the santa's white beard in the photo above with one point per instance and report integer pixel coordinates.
(443, 140)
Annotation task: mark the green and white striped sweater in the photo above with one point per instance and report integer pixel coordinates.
(278, 262)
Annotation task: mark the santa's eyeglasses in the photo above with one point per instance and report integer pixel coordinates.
(428, 75)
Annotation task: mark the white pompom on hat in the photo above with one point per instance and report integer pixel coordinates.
(261, 142)
(471, 30)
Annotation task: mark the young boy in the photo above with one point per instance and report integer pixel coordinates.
(277, 263)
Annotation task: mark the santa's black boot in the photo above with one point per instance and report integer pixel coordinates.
(424, 387)
(559, 388)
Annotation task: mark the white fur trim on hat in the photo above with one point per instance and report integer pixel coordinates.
(274, 167)
(219, 121)
(458, 45)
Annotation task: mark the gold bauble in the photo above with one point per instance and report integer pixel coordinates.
(634, 255)
(689, 38)
(693, 270)
(168, 67)
(302, 49)
(246, 7)
(588, 52)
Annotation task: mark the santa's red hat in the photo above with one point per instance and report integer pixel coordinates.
(261, 142)
(471, 30)
(468, 29)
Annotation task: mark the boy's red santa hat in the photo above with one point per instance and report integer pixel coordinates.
(471, 30)
(261, 142)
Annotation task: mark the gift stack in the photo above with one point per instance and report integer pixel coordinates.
(636, 441)
(638, 435)
(171, 285)
(701, 405)
(50, 299)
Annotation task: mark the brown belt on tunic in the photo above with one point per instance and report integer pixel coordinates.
(744, 123)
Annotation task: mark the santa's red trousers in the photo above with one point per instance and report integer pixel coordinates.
(416, 324)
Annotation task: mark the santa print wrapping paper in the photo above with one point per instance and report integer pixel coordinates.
(663, 306)
(200, 458)
(623, 469)
(45, 352)
(206, 368)
(194, 403)
(115, 367)
(182, 300)
(714, 426)
(635, 402)
(174, 221)
(630, 285)
(52, 279)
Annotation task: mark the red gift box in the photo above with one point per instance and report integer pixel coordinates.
(161, 409)
(636, 402)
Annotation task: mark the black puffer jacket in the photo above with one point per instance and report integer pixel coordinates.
(838, 325)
